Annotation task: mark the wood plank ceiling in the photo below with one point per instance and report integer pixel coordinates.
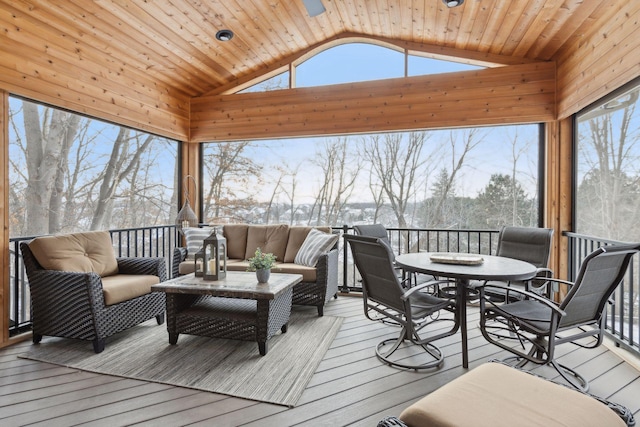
(173, 42)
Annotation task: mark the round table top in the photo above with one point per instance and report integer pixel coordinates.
(491, 268)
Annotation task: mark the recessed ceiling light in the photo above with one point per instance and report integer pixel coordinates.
(224, 35)
(314, 7)
(453, 3)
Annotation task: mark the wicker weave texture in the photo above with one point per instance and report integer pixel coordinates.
(71, 305)
(230, 318)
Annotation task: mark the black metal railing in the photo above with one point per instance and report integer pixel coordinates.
(407, 240)
(623, 312)
(157, 241)
(622, 315)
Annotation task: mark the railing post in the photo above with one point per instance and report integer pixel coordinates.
(345, 286)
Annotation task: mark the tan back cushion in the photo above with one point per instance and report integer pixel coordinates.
(86, 252)
(269, 238)
(236, 235)
(297, 234)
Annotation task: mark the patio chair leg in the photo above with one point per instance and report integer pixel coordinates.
(320, 311)
(37, 338)
(160, 319)
(429, 348)
(574, 379)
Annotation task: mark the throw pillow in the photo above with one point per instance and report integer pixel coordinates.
(194, 237)
(315, 244)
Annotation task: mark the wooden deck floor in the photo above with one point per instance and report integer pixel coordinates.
(351, 387)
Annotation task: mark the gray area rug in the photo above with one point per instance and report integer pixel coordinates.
(229, 367)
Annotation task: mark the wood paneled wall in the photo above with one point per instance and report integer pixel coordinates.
(511, 94)
(4, 216)
(42, 61)
(601, 62)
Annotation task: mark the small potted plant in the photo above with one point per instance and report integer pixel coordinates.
(262, 263)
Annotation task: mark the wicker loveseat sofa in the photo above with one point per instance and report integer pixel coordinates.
(80, 289)
(319, 270)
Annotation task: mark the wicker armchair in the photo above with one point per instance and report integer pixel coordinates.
(72, 304)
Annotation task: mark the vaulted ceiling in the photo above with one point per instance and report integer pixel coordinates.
(174, 43)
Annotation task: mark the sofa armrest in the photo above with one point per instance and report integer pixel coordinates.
(327, 272)
(51, 288)
(179, 255)
(154, 266)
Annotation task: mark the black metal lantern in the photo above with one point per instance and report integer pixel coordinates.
(215, 257)
(199, 260)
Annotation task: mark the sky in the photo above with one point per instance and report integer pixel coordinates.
(362, 62)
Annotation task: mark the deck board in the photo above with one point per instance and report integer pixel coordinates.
(350, 387)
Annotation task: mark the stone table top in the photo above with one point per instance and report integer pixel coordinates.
(235, 285)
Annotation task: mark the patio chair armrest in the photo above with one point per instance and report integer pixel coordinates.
(327, 271)
(179, 255)
(154, 266)
(421, 286)
(540, 283)
(552, 285)
(543, 273)
(561, 281)
(530, 295)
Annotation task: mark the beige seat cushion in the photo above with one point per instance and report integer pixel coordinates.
(237, 265)
(188, 266)
(499, 396)
(88, 252)
(270, 238)
(297, 234)
(308, 273)
(123, 287)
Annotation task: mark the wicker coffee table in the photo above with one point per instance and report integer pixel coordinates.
(236, 307)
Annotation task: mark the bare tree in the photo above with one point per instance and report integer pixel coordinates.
(337, 181)
(607, 196)
(228, 169)
(124, 160)
(67, 186)
(289, 190)
(517, 151)
(397, 161)
(377, 192)
(460, 145)
(48, 139)
(274, 193)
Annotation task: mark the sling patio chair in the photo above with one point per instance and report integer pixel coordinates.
(540, 324)
(381, 232)
(532, 245)
(411, 309)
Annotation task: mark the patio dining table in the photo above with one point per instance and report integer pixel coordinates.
(464, 267)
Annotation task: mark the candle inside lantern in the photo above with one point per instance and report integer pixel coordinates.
(212, 265)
